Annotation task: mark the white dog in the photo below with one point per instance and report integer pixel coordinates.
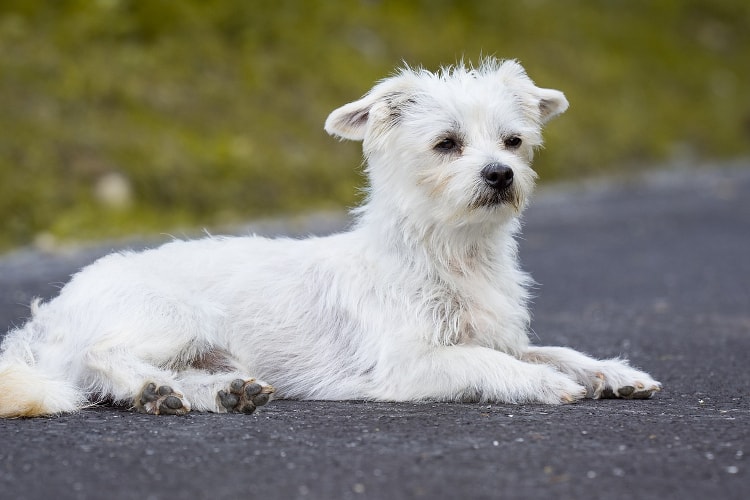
(422, 300)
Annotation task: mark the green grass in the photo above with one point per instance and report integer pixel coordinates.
(212, 112)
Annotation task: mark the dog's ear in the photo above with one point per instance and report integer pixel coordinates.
(351, 121)
(548, 102)
(551, 103)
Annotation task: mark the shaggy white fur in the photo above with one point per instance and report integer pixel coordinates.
(422, 300)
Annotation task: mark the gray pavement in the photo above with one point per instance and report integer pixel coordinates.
(656, 269)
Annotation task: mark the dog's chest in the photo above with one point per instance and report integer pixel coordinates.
(462, 313)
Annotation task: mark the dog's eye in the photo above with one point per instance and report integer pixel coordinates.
(512, 142)
(447, 145)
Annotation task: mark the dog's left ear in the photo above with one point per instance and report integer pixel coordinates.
(351, 121)
(551, 103)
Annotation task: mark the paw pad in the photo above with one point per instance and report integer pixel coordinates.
(639, 391)
(244, 396)
(161, 400)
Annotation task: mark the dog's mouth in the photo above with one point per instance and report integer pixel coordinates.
(492, 198)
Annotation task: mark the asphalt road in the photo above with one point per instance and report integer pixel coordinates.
(655, 269)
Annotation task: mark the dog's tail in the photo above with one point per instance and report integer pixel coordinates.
(26, 389)
(25, 392)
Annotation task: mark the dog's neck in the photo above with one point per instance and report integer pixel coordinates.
(442, 251)
(453, 273)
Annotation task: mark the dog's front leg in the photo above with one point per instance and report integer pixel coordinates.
(461, 373)
(607, 378)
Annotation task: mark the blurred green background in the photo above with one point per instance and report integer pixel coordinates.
(124, 116)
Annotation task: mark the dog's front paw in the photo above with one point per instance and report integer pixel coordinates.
(558, 388)
(639, 390)
(244, 396)
(161, 400)
(618, 380)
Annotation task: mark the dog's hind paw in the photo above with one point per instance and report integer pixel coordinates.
(244, 396)
(161, 400)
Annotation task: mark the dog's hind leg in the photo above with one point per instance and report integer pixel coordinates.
(122, 377)
(606, 378)
(211, 382)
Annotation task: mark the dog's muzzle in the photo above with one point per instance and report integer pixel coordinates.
(498, 179)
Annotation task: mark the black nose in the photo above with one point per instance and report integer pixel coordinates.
(497, 176)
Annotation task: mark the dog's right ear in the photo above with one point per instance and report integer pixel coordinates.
(351, 121)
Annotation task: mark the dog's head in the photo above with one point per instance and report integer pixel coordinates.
(456, 144)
